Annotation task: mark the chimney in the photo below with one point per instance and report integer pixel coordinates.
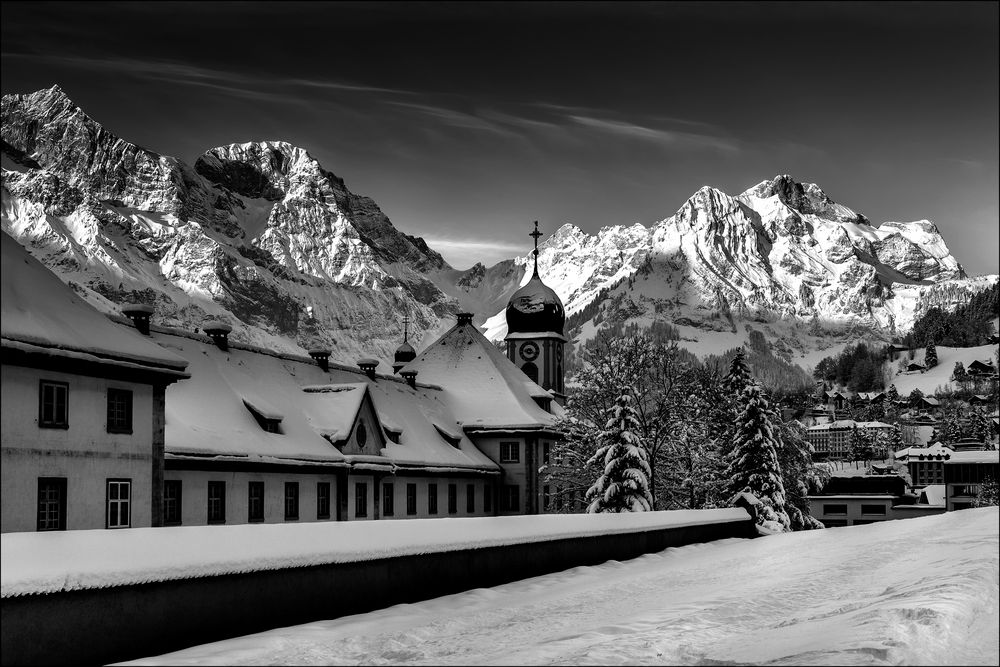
(464, 318)
(219, 331)
(322, 357)
(139, 313)
(368, 366)
(410, 377)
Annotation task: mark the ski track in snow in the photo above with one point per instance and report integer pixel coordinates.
(916, 591)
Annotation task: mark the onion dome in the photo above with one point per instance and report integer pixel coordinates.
(535, 308)
(405, 353)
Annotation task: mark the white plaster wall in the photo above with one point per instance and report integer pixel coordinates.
(85, 453)
(194, 495)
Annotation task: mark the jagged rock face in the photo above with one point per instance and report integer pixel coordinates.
(257, 234)
(781, 249)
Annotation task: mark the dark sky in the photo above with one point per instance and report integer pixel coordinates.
(465, 122)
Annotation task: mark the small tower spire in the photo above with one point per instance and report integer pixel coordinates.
(406, 331)
(536, 234)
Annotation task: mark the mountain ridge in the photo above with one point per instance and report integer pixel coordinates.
(261, 235)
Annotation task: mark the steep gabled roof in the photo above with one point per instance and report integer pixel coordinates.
(483, 388)
(208, 415)
(41, 314)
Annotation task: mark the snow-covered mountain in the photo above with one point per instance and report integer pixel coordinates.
(781, 251)
(262, 236)
(257, 234)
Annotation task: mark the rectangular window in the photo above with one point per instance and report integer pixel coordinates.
(546, 452)
(119, 410)
(322, 500)
(255, 502)
(361, 499)
(411, 499)
(53, 404)
(511, 498)
(873, 509)
(216, 502)
(119, 503)
(546, 498)
(432, 498)
(834, 509)
(488, 498)
(388, 496)
(172, 502)
(453, 499)
(470, 498)
(510, 452)
(291, 501)
(51, 503)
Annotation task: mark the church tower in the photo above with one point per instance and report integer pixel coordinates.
(535, 341)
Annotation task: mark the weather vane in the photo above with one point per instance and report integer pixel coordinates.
(536, 234)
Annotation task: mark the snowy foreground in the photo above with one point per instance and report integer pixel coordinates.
(917, 591)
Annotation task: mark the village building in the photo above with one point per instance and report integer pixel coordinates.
(855, 501)
(833, 440)
(964, 474)
(925, 464)
(83, 403)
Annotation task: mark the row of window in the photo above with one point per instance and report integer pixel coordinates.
(839, 509)
(53, 407)
(52, 503)
(172, 495)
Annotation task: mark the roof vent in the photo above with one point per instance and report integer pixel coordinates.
(322, 357)
(219, 331)
(410, 377)
(464, 318)
(139, 313)
(368, 366)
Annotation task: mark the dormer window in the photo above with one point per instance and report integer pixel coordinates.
(267, 419)
(392, 433)
(452, 439)
(362, 435)
(544, 403)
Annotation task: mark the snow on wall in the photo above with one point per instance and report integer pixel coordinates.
(36, 563)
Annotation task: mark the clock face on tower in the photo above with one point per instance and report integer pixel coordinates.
(529, 351)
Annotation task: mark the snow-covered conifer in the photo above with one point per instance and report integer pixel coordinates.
(739, 375)
(623, 485)
(753, 463)
(892, 394)
(988, 493)
(930, 355)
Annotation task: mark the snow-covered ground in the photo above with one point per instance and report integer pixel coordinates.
(939, 377)
(915, 591)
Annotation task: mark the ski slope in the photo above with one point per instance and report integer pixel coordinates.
(915, 591)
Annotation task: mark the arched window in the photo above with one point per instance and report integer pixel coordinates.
(531, 370)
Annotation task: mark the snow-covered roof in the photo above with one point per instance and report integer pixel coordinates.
(992, 456)
(936, 449)
(483, 388)
(208, 415)
(875, 424)
(932, 494)
(42, 314)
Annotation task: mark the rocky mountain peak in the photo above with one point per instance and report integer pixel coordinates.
(807, 198)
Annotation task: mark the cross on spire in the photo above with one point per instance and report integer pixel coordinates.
(536, 234)
(406, 331)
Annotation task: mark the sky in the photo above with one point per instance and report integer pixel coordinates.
(467, 121)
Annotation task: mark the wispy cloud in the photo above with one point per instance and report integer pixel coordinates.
(670, 138)
(459, 119)
(242, 85)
